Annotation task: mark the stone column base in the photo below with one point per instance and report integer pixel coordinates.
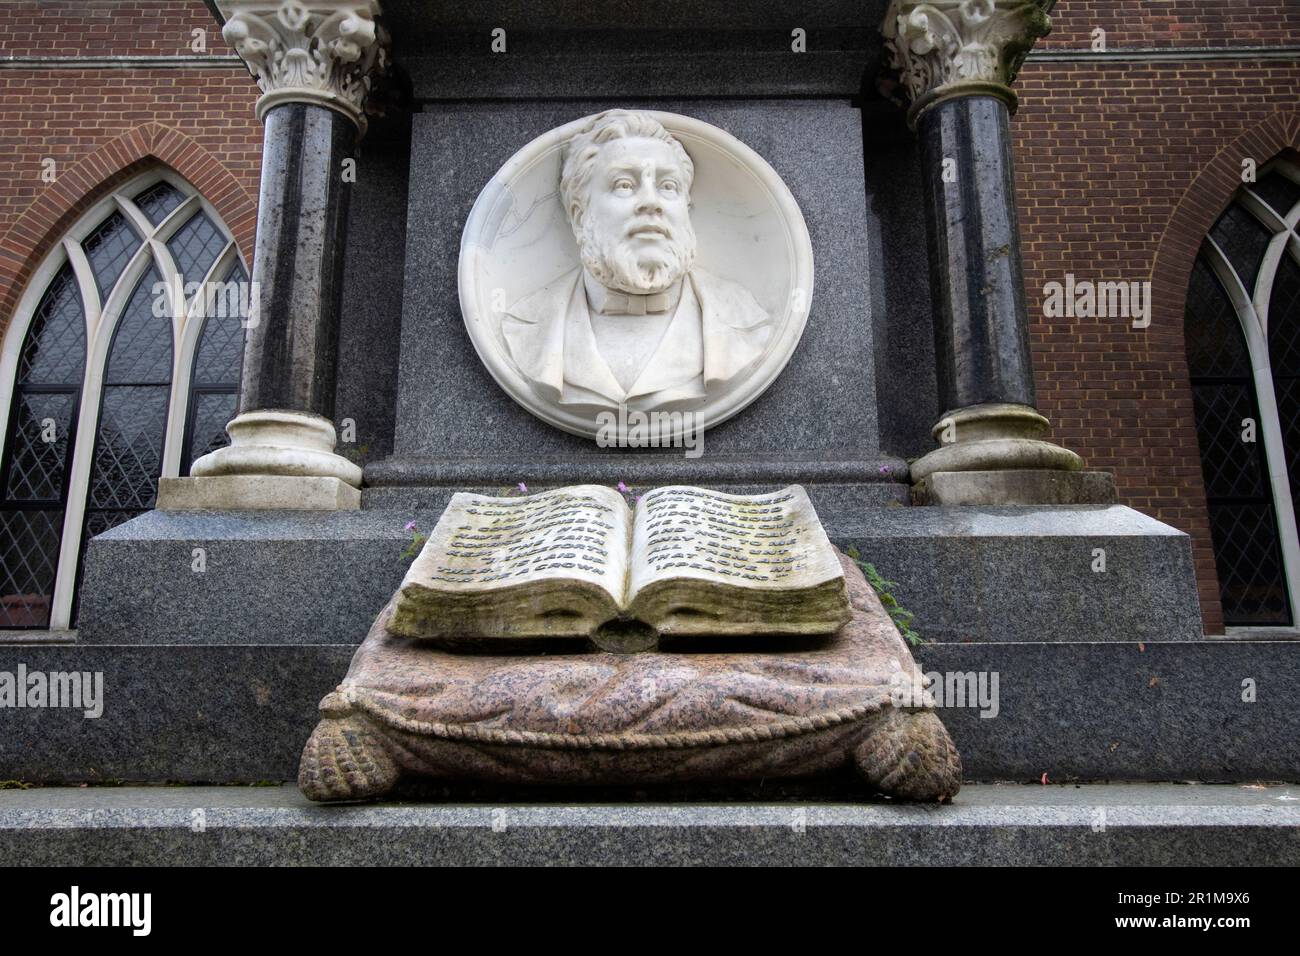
(276, 459)
(995, 454)
(1026, 486)
(257, 493)
(993, 437)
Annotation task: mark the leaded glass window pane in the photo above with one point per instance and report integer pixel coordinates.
(1215, 344)
(1252, 584)
(38, 445)
(209, 414)
(54, 352)
(1232, 466)
(1284, 357)
(1279, 191)
(196, 246)
(1243, 239)
(1284, 320)
(128, 450)
(1239, 496)
(220, 352)
(39, 437)
(159, 200)
(109, 247)
(133, 406)
(29, 544)
(142, 344)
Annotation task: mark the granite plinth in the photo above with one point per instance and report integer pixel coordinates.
(224, 713)
(212, 714)
(1024, 573)
(1211, 710)
(1115, 825)
(969, 574)
(250, 577)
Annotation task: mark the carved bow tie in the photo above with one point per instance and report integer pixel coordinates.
(625, 303)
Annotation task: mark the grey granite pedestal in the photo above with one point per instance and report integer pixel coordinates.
(214, 675)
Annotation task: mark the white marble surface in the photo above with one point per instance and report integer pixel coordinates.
(733, 318)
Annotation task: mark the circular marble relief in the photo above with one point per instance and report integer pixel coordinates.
(635, 275)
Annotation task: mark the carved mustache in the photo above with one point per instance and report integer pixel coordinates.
(645, 226)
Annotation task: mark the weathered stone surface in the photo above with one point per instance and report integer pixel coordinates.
(572, 719)
(1144, 825)
(257, 493)
(1028, 486)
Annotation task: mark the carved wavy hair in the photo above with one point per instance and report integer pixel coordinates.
(579, 155)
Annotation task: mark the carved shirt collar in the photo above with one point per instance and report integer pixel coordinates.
(608, 301)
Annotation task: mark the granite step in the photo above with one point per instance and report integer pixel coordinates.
(1097, 825)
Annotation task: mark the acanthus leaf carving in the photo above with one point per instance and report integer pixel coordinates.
(942, 47)
(328, 52)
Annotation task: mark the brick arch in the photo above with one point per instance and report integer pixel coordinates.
(1199, 208)
(1201, 204)
(49, 216)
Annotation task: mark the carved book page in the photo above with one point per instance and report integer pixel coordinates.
(705, 562)
(548, 565)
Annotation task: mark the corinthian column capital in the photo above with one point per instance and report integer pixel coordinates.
(947, 48)
(327, 52)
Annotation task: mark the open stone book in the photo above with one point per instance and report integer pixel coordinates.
(578, 562)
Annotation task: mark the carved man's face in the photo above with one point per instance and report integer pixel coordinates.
(636, 234)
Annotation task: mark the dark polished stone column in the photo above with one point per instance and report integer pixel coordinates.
(956, 60)
(291, 352)
(981, 330)
(314, 61)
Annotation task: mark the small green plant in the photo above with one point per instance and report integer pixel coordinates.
(418, 538)
(900, 615)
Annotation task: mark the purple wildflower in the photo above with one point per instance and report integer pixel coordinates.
(410, 526)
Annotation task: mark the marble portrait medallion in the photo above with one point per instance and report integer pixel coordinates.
(635, 261)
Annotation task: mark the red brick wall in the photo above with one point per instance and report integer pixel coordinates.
(1164, 23)
(104, 27)
(102, 125)
(1110, 160)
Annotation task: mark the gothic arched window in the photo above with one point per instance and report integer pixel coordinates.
(117, 364)
(1242, 328)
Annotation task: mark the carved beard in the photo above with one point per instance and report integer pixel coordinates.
(626, 265)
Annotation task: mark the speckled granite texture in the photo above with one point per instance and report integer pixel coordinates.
(407, 708)
(985, 825)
